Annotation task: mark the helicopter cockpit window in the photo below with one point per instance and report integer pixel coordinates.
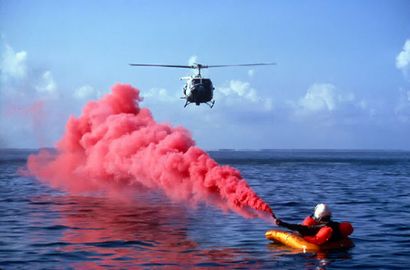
(207, 82)
(196, 81)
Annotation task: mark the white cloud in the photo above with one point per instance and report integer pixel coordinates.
(403, 58)
(86, 92)
(324, 97)
(32, 108)
(192, 60)
(154, 95)
(320, 97)
(324, 103)
(26, 99)
(13, 65)
(47, 86)
(239, 89)
(237, 93)
(18, 82)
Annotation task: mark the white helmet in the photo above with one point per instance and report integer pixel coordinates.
(321, 211)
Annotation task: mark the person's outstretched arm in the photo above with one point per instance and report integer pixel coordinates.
(302, 229)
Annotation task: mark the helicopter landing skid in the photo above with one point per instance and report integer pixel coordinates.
(186, 102)
(210, 104)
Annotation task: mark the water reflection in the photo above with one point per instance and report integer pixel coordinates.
(320, 260)
(145, 232)
(149, 232)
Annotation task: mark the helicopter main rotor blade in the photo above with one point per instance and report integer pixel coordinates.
(155, 65)
(241, 65)
(200, 66)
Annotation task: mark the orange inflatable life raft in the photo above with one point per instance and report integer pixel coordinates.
(295, 241)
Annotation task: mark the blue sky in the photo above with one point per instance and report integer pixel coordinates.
(342, 78)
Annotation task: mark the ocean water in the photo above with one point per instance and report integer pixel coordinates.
(43, 228)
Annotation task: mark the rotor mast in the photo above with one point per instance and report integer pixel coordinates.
(198, 66)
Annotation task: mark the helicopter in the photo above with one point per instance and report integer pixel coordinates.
(198, 89)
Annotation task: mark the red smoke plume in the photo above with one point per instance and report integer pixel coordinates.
(115, 145)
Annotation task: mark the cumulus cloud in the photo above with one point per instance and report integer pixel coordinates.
(47, 86)
(319, 97)
(86, 92)
(23, 97)
(323, 97)
(19, 82)
(239, 88)
(403, 58)
(193, 60)
(13, 64)
(32, 108)
(159, 95)
(237, 92)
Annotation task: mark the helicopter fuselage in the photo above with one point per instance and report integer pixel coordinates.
(198, 90)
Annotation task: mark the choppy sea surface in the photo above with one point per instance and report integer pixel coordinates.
(43, 228)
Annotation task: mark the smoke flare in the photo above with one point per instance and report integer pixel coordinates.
(116, 145)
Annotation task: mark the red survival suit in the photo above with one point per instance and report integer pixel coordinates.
(330, 232)
(320, 233)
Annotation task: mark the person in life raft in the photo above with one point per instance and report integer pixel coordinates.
(319, 228)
